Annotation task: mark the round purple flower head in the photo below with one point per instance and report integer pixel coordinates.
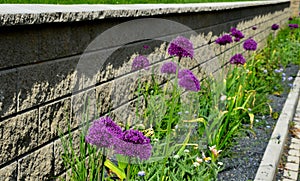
(184, 72)
(254, 27)
(250, 44)
(104, 133)
(168, 68)
(237, 34)
(237, 59)
(275, 27)
(134, 144)
(188, 81)
(292, 26)
(140, 62)
(290, 18)
(223, 40)
(181, 47)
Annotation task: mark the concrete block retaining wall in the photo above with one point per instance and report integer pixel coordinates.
(45, 50)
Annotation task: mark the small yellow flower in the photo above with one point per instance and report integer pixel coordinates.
(214, 151)
(206, 159)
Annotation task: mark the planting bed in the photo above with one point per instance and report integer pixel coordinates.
(177, 125)
(234, 118)
(249, 150)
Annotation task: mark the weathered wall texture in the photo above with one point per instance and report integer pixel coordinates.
(295, 7)
(41, 87)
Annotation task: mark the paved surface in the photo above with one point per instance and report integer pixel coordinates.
(291, 170)
(21, 14)
(291, 112)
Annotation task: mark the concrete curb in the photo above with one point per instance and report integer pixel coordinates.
(268, 166)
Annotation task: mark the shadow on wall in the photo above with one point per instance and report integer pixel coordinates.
(42, 86)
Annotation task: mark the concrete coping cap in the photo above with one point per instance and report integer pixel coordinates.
(26, 14)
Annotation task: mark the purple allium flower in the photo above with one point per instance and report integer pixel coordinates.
(223, 40)
(168, 68)
(290, 18)
(250, 44)
(134, 144)
(145, 47)
(237, 59)
(140, 62)
(104, 133)
(188, 81)
(181, 47)
(237, 34)
(292, 26)
(254, 27)
(135, 136)
(275, 27)
(184, 72)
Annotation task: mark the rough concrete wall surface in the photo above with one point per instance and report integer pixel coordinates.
(295, 7)
(50, 72)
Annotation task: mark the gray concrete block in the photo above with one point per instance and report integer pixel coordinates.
(58, 160)
(83, 107)
(43, 82)
(104, 98)
(54, 42)
(8, 92)
(9, 172)
(20, 46)
(19, 135)
(59, 149)
(54, 120)
(37, 165)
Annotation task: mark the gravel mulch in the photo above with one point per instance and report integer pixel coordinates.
(246, 155)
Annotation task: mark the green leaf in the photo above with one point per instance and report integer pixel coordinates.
(184, 144)
(121, 174)
(122, 162)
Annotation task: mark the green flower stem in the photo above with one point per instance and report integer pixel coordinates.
(102, 165)
(174, 95)
(169, 126)
(128, 171)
